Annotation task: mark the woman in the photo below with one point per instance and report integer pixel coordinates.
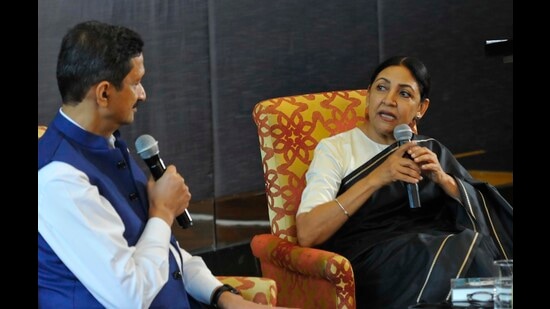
(356, 204)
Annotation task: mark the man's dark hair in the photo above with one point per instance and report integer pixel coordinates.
(92, 52)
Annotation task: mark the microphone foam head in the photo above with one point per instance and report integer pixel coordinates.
(402, 132)
(146, 146)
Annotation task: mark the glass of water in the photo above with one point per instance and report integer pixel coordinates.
(504, 284)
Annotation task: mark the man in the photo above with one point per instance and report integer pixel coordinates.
(104, 237)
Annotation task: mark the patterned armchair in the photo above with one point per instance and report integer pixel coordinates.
(257, 289)
(289, 128)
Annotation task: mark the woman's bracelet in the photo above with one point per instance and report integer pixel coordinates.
(343, 209)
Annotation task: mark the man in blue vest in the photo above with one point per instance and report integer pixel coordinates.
(104, 236)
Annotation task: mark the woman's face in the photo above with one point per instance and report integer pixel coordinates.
(393, 98)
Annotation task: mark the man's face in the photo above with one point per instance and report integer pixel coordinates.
(124, 102)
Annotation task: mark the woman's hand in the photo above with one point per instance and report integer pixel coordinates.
(397, 168)
(428, 162)
(431, 168)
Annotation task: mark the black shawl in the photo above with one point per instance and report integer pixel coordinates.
(401, 256)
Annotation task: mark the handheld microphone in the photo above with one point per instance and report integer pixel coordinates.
(403, 134)
(148, 149)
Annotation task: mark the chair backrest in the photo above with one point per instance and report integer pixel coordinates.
(41, 130)
(289, 129)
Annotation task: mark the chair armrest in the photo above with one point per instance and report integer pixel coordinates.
(303, 260)
(257, 289)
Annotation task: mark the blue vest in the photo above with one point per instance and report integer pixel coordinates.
(121, 181)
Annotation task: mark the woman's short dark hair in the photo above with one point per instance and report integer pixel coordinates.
(92, 52)
(415, 66)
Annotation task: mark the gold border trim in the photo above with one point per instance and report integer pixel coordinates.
(433, 265)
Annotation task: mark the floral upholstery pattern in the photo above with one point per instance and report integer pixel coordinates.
(257, 289)
(289, 129)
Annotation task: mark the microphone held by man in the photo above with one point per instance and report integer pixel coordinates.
(404, 134)
(148, 150)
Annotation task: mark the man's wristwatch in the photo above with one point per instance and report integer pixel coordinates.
(218, 292)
